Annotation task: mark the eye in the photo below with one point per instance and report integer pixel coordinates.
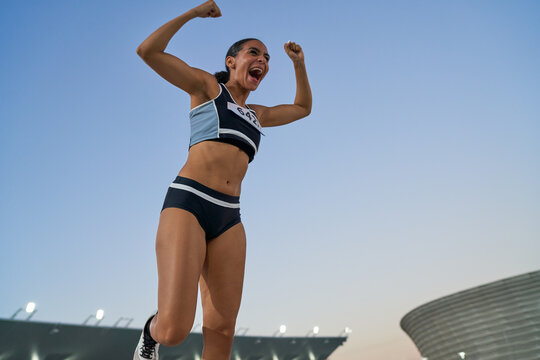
(252, 51)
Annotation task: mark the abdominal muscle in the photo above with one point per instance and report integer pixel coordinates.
(219, 166)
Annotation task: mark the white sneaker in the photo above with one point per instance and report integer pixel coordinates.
(147, 349)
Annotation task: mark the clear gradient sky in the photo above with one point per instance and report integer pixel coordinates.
(416, 175)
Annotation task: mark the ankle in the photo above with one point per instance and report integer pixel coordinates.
(147, 328)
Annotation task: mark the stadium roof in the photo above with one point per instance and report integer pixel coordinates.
(30, 340)
(496, 321)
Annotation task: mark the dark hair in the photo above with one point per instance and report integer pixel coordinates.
(224, 76)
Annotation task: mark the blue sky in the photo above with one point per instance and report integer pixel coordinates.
(415, 176)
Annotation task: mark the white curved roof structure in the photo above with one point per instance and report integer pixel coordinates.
(496, 321)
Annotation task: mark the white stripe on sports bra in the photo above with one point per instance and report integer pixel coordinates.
(239, 134)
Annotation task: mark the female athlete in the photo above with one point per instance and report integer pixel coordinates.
(200, 239)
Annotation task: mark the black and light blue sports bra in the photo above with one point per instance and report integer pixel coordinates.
(222, 119)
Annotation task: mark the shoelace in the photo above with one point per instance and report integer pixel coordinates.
(148, 346)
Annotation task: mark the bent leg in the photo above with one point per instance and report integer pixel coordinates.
(221, 285)
(180, 250)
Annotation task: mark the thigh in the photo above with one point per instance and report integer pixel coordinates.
(180, 251)
(222, 279)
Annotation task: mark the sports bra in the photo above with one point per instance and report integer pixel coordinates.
(222, 119)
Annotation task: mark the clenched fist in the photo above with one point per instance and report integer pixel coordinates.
(207, 9)
(294, 51)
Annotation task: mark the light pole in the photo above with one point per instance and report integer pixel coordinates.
(242, 330)
(30, 309)
(281, 331)
(345, 332)
(129, 320)
(100, 314)
(313, 331)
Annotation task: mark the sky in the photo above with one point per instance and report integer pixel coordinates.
(416, 175)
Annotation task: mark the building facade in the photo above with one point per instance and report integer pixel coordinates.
(496, 321)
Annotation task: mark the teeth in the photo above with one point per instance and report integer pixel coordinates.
(257, 70)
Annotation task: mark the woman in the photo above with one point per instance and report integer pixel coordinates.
(200, 238)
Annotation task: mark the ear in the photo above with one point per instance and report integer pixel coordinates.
(230, 62)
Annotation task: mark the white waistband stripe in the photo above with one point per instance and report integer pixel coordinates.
(205, 196)
(239, 134)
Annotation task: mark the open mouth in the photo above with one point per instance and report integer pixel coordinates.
(256, 73)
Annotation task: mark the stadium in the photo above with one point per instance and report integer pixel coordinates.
(30, 340)
(495, 321)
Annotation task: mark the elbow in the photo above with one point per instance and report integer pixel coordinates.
(141, 52)
(303, 110)
(307, 110)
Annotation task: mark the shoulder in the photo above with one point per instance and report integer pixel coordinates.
(259, 110)
(262, 113)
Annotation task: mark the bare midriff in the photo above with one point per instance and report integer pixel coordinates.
(219, 166)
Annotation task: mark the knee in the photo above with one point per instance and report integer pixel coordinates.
(172, 334)
(223, 329)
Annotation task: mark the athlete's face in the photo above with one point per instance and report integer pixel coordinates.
(250, 65)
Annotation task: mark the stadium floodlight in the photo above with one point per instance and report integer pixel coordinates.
(282, 329)
(313, 331)
(100, 314)
(462, 354)
(345, 331)
(30, 309)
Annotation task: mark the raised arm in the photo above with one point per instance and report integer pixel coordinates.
(194, 81)
(285, 114)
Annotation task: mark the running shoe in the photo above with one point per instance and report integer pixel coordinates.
(147, 349)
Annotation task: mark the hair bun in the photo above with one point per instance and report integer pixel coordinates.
(222, 76)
